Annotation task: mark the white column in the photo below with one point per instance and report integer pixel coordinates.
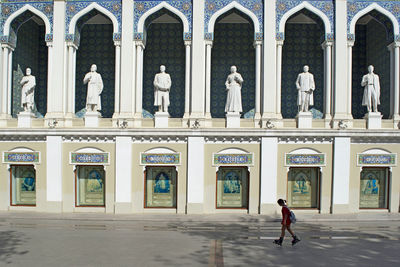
(279, 46)
(57, 65)
(117, 78)
(187, 78)
(198, 68)
(6, 52)
(269, 62)
(50, 92)
(257, 46)
(195, 172)
(341, 109)
(123, 171)
(128, 59)
(139, 78)
(392, 100)
(208, 78)
(71, 80)
(396, 83)
(341, 174)
(54, 168)
(9, 83)
(327, 46)
(269, 174)
(350, 45)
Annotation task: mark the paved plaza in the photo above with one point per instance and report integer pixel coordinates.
(190, 240)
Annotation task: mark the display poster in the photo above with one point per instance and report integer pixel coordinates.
(23, 185)
(161, 187)
(91, 186)
(373, 188)
(303, 187)
(232, 187)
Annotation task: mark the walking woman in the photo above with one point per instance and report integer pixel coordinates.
(285, 224)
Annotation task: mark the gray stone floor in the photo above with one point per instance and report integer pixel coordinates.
(167, 240)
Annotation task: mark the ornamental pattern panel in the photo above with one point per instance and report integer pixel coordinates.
(74, 6)
(142, 6)
(355, 6)
(212, 6)
(325, 6)
(8, 7)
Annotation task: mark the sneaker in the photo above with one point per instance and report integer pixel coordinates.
(278, 241)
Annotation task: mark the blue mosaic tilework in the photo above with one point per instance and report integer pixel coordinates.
(212, 6)
(142, 6)
(355, 6)
(326, 6)
(9, 7)
(74, 6)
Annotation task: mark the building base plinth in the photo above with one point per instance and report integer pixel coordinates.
(304, 120)
(161, 119)
(25, 119)
(232, 120)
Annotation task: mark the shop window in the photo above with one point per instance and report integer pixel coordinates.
(23, 185)
(374, 184)
(90, 186)
(160, 187)
(303, 188)
(232, 187)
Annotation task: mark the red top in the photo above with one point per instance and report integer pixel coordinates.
(286, 211)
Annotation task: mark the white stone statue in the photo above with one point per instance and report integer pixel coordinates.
(234, 89)
(162, 85)
(94, 90)
(305, 86)
(372, 90)
(28, 83)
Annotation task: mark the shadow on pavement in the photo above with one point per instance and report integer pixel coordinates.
(10, 241)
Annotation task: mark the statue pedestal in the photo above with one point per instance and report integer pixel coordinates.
(25, 119)
(374, 120)
(92, 119)
(161, 119)
(304, 120)
(232, 120)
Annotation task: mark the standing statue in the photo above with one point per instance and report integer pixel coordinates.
(95, 87)
(162, 86)
(28, 83)
(305, 86)
(372, 90)
(234, 88)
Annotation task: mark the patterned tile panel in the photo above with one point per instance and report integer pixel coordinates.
(325, 6)
(8, 7)
(355, 6)
(74, 6)
(142, 6)
(212, 6)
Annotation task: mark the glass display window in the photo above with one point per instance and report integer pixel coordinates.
(23, 185)
(374, 184)
(303, 188)
(232, 187)
(90, 186)
(160, 187)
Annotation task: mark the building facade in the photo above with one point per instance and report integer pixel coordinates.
(336, 158)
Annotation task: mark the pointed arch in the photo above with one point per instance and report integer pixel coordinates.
(311, 8)
(374, 6)
(227, 8)
(160, 6)
(30, 8)
(74, 20)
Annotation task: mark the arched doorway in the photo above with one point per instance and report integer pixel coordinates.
(164, 46)
(232, 46)
(373, 34)
(304, 34)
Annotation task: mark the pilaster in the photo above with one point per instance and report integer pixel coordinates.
(195, 179)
